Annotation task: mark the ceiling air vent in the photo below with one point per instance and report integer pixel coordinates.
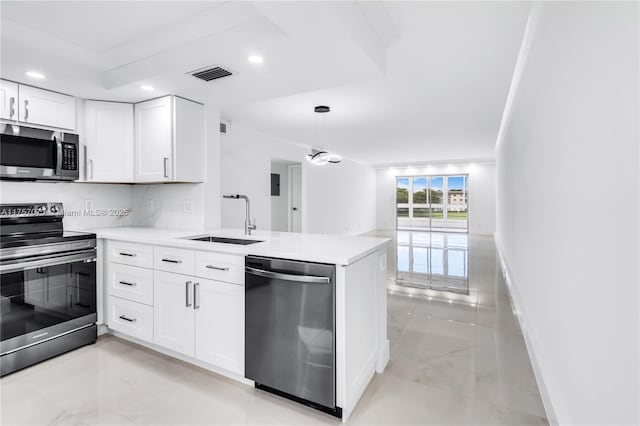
(212, 73)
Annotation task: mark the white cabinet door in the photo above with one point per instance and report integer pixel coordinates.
(153, 140)
(38, 106)
(220, 324)
(8, 100)
(189, 152)
(173, 313)
(109, 139)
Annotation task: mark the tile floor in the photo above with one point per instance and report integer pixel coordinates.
(455, 360)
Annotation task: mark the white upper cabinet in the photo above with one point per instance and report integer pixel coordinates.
(109, 141)
(154, 128)
(42, 107)
(8, 100)
(169, 140)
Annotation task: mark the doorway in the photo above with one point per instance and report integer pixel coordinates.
(286, 196)
(432, 203)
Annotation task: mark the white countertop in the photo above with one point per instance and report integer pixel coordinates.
(338, 249)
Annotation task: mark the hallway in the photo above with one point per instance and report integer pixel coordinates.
(460, 350)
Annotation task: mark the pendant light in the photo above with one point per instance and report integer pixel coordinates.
(320, 157)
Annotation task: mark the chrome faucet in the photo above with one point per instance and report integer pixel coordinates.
(248, 226)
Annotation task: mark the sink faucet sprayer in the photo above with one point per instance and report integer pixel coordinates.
(248, 226)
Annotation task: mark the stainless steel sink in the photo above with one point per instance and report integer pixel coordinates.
(224, 240)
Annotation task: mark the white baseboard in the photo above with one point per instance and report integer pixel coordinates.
(528, 340)
(358, 385)
(184, 358)
(383, 357)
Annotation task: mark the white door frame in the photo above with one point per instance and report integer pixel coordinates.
(290, 167)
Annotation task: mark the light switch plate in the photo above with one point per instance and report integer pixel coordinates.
(188, 206)
(149, 205)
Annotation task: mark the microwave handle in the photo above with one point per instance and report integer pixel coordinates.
(58, 142)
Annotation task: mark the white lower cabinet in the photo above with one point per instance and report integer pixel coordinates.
(219, 324)
(194, 316)
(173, 312)
(134, 319)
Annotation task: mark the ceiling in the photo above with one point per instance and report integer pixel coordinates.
(406, 81)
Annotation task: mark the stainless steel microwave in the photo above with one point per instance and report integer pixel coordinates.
(27, 153)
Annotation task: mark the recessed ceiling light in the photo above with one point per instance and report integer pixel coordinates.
(255, 59)
(35, 74)
(147, 88)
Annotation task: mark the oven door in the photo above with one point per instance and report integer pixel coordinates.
(29, 153)
(46, 296)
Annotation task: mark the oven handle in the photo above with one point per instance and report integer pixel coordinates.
(51, 260)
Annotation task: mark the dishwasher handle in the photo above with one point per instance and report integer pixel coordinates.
(288, 277)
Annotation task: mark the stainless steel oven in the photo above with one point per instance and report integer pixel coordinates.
(29, 153)
(47, 286)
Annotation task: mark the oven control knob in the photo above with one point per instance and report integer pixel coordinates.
(53, 209)
(42, 209)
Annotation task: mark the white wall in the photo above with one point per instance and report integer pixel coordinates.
(280, 203)
(168, 205)
(73, 196)
(481, 193)
(567, 173)
(340, 198)
(336, 199)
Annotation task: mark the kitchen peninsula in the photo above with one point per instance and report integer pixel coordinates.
(180, 294)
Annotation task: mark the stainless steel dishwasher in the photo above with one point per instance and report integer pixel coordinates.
(290, 324)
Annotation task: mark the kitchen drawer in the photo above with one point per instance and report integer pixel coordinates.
(220, 267)
(174, 260)
(131, 283)
(134, 319)
(131, 254)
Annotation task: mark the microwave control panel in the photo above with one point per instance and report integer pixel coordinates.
(69, 156)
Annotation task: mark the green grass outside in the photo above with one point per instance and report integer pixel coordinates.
(424, 213)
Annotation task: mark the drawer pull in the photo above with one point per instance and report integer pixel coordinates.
(217, 268)
(127, 283)
(172, 261)
(122, 317)
(127, 254)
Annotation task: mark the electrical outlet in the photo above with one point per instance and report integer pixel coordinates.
(188, 206)
(149, 205)
(88, 205)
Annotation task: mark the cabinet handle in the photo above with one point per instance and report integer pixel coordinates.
(187, 302)
(127, 254)
(196, 296)
(217, 268)
(127, 283)
(12, 106)
(26, 109)
(171, 261)
(91, 168)
(165, 163)
(122, 317)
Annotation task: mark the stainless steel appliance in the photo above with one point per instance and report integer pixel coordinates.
(29, 153)
(47, 288)
(290, 325)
